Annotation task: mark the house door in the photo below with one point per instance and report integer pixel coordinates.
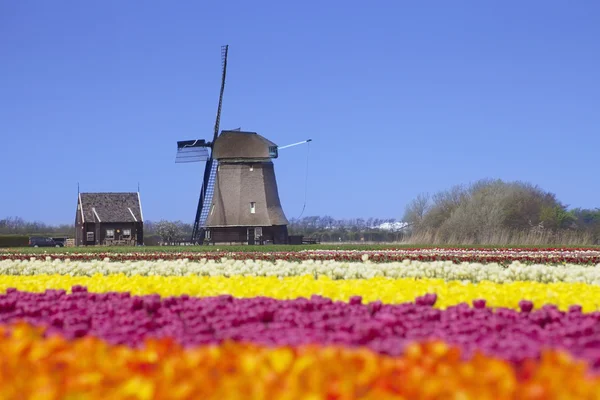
(251, 236)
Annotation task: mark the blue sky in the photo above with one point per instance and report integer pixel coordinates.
(399, 98)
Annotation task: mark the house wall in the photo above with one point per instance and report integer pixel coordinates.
(139, 231)
(135, 228)
(79, 228)
(277, 234)
(78, 225)
(89, 227)
(99, 229)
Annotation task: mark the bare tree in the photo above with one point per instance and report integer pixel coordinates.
(415, 210)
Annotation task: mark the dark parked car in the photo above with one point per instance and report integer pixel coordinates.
(37, 241)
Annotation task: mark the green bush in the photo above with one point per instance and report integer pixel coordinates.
(14, 240)
(151, 240)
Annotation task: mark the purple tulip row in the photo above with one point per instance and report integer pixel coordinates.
(120, 318)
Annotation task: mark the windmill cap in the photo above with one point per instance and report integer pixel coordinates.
(241, 144)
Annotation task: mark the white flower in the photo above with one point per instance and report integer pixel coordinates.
(473, 272)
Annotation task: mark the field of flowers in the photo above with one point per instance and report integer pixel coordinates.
(321, 324)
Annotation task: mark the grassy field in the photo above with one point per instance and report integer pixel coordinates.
(268, 248)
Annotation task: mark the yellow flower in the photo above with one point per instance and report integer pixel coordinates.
(387, 290)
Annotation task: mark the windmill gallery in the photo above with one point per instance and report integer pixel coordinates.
(239, 200)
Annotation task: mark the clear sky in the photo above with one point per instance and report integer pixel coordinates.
(399, 98)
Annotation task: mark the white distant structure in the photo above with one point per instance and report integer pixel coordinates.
(392, 226)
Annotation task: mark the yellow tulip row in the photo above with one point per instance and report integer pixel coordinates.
(385, 289)
(56, 368)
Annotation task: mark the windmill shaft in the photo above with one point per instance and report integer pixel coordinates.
(294, 144)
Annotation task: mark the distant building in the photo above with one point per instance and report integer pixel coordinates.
(109, 219)
(393, 226)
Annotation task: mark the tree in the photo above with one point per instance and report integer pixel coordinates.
(168, 231)
(416, 209)
(556, 217)
(482, 211)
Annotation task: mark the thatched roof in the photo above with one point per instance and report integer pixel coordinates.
(236, 186)
(111, 207)
(240, 145)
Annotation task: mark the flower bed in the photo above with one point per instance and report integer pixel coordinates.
(254, 328)
(501, 256)
(391, 291)
(120, 318)
(446, 270)
(57, 368)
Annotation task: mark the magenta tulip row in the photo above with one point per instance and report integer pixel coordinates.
(121, 318)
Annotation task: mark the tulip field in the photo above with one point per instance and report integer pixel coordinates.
(400, 323)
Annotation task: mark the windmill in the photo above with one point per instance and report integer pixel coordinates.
(239, 200)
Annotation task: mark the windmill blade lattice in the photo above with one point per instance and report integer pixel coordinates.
(210, 188)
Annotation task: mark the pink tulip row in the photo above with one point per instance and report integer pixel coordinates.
(121, 318)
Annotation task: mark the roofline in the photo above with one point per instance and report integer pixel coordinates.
(81, 209)
(96, 214)
(140, 203)
(108, 192)
(240, 131)
(239, 160)
(134, 218)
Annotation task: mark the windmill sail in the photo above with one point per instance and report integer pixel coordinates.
(206, 192)
(210, 188)
(191, 151)
(210, 170)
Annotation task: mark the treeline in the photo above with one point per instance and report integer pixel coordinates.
(329, 229)
(491, 212)
(498, 212)
(18, 226)
(324, 223)
(326, 228)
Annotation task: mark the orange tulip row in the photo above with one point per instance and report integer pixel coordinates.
(32, 366)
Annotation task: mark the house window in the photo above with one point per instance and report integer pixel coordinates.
(252, 207)
(207, 234)
(126, 233)
(258, 232)
(252, 168)
(90, 236)
(212, 209)
(110, 233)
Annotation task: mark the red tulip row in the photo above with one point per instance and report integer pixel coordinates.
(501, 256)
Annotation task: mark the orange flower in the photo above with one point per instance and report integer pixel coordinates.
(32, 366)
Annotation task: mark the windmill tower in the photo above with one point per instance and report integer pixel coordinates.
(239, 199)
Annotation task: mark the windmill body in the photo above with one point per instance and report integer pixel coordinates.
(245, 203)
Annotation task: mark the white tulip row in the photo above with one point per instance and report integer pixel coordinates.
(473, 272)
